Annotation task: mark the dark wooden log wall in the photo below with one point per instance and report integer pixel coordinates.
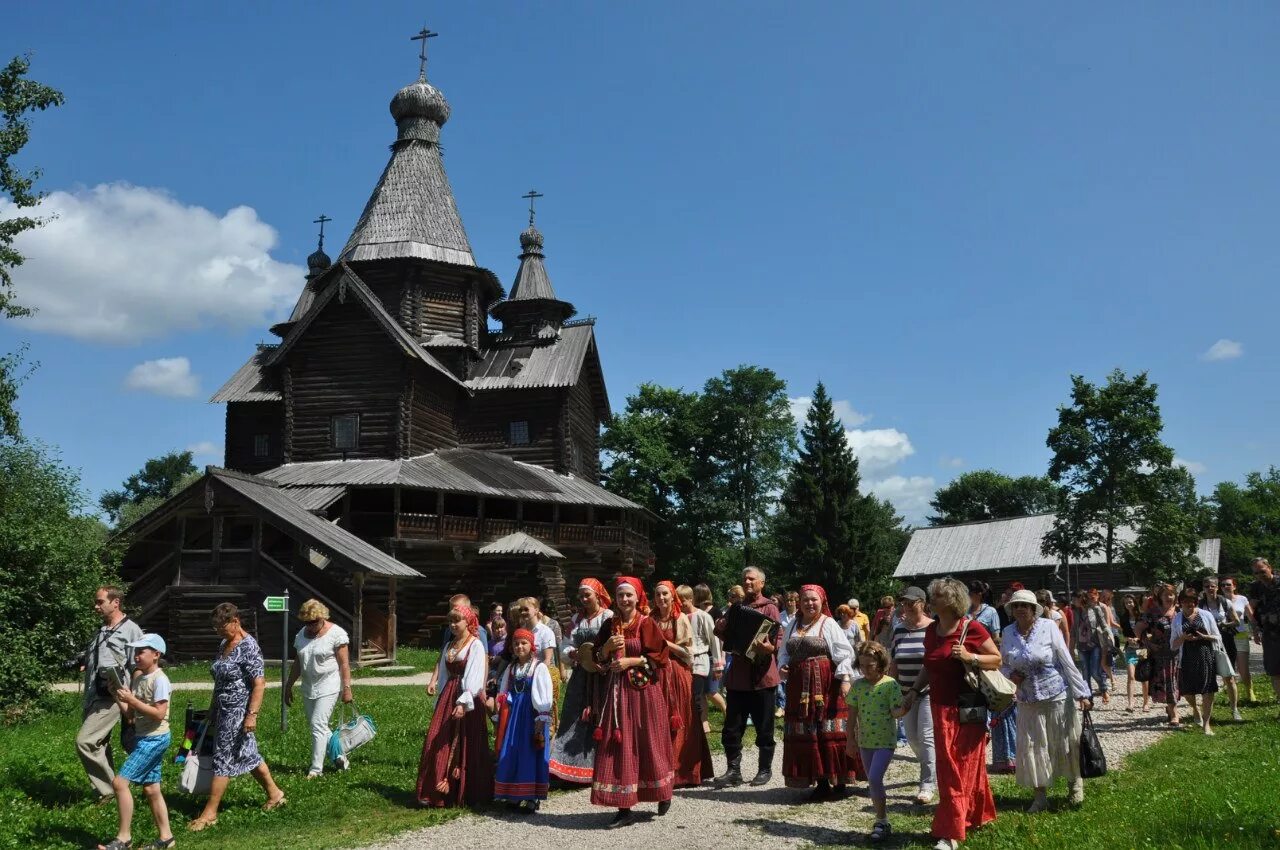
(345, 364)
(488, 418)
(582, 437)
(443, 310)
(247, 419)
(430, 403)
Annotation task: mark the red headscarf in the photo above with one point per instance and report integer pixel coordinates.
(596, 587)
(675, 597)
(473, 622)
(822, 594)
(524, 634)
(642, 598)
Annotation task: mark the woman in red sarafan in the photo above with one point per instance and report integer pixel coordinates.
(689, 745)
(816, 659)
(457, 765)
(633, 739)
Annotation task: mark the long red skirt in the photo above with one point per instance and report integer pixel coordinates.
(964, 794)
(458, 747)
(816, 727)
(634, 759)
(689, 747)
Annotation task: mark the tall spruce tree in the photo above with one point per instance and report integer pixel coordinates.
(820, 512)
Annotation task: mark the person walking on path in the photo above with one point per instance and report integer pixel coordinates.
(751, 687)
(1195, 637)
(702, 600)
(108, 651)
(456, 767)
(907, 652)
(789, 611)
(1035, 658)
(877, 704)
(954, 643)
(322, 661)
(1128, 620)
(1264, 596)
(690, 751)
(523, 704)
(1153, 631)
(1224, 615)
(707, 656)
(573, 752)
(238, 686)
(1093, 640)
(146, 703)
(863, 621)
(1004, 744)
(1240, 652)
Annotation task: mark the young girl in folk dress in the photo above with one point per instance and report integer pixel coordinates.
(456, 765)
(689, 745)
(633, 739)
(573, 752)
(524, 705)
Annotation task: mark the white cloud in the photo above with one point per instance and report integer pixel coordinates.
(122, 263)
(205, 448)
(1223, 349)
(168, 376)
(844, 411)
(949, 462)
(1195, 467)
(878, 449)
(909, 494)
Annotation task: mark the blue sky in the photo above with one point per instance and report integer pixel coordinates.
(942, 211)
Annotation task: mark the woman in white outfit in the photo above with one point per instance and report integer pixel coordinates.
(1035, 657)
(323, 662)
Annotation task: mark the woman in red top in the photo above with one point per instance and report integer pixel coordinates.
(633, 752)
(965, 800)
(689, 745)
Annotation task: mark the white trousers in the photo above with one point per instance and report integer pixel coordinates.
(319, 710)
(918, 722)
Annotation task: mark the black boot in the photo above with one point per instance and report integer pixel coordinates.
(763, 777)
(663, 807)
(732, 776)
(624, 817)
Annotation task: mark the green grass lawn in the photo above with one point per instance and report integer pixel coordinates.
(44, 794)
(1187, 792)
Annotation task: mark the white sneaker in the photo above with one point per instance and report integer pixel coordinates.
(946, 844)
(1077, 792)
(1235, 715)
(925, 795)
(343, 763)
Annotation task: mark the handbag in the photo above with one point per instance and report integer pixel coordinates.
(197, 771)
(128, 736)
(972, 708)
(1142, 671)
(1225, 668)
(996, 689)
(351, 734)
(1093, 762)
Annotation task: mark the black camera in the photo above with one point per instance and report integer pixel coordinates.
(76, 663)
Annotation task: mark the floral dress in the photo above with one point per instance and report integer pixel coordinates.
(1163, 685)
(235, 751)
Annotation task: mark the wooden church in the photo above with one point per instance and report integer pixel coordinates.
(392, 448)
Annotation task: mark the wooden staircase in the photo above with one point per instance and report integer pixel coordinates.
(372, 656)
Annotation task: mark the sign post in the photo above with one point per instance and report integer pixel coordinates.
(280, 604)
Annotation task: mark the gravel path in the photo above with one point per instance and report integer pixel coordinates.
(737, 817)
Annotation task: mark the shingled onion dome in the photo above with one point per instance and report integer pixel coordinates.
(420, 110)
(533, 310)
(318, 263)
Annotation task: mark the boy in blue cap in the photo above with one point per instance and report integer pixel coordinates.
(146, 704)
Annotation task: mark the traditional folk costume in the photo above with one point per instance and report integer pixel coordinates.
(524, 708)
(457, 766)
(689, 745)
(633, 744)
(573, 752)
(818, 658)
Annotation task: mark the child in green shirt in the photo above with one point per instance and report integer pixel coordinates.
(875, 702)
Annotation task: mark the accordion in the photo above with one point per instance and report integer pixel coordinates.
(743, 626)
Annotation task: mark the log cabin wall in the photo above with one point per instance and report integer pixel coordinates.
(430, 404)
(344, 364)
(582, 437)
(246, 420)
(443, 310)
(489, 414)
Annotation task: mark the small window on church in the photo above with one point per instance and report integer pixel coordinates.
(520, 433)
(261, 445)
(344, 431)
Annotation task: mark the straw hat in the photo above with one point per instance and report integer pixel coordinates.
(1023, 596)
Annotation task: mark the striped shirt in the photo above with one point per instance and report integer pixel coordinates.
(907, 649)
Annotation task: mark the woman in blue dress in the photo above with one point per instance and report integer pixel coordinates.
(524, 703)
(238, 687)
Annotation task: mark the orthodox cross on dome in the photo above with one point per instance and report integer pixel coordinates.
(321, 221)
(422, 36)
(532, 195)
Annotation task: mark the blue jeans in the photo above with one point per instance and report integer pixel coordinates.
(1004, 739)
(782, 695)
(1091, 667)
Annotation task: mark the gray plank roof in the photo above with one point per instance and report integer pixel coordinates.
(250, 382)
(556, 365)
(1000, 545)
(453, 471)
(519, 543)
(283, 511)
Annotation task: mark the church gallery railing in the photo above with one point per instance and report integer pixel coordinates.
(473, 529)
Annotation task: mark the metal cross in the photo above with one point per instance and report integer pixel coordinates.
(321, 221)
(422, 36)
(532, 194)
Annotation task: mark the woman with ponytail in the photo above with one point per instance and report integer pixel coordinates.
(689, 745)
(573, 752)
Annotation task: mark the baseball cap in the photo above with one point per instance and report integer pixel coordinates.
(913, 593)
(151, 640)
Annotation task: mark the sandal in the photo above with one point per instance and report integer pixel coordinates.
(161, 844)
(201, 823)
(880, 831)
(270, 805)
(116, 844)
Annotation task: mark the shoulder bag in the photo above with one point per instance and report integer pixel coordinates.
(1093, 762)
(197, 771)
(994, 686)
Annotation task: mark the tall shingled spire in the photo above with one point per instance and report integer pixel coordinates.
(411, 212)
(532, 309)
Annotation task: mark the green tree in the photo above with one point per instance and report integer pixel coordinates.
(986, 494)
(1108, 458)
(751, 438)
(1169, 529)
(158, 479)
(51, 561)
(1247, 518)
(878, 547)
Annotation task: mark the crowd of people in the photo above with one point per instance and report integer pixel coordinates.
(634, 679)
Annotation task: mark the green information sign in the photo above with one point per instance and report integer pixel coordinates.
(276, 603)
